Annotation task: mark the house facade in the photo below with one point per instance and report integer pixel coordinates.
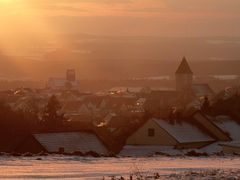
(158, 132)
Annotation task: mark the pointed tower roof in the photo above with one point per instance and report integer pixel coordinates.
(184, 67)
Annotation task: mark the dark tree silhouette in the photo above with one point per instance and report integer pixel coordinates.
(206, 105)
(13, 122)
(31, 112)
(227, 106)
(52, 116)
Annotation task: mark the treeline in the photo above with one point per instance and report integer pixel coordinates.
(51, 118)
(229, 106)
(19, 122)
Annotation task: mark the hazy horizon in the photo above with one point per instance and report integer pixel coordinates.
(108, 37)
(119, 57)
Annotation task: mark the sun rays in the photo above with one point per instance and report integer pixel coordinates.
(23, 28)
(21, 21)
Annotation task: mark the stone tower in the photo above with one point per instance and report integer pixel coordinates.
(71, 75)
(184, 76)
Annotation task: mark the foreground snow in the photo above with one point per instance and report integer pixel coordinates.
(72, 167)
(139, 151)
(219, 174)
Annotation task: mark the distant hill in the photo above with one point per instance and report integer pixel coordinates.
(120, 57)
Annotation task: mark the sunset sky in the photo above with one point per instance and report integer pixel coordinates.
(122, 17)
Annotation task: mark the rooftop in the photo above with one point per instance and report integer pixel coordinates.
(184, 132)
(71, 142)
(184, 67)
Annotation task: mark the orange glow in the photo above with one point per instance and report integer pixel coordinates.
(37, 15)
(21, 24)
(42, 19)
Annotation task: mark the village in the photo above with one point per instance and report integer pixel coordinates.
(190, 119)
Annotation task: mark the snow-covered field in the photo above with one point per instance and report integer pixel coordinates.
(73, 167)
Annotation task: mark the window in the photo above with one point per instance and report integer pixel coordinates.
(151, 132)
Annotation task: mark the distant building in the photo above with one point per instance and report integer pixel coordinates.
(187, 94)
(184, 76)
(160, 102)
(201, 90)
(71, 75)
(129, 90)
(185, 84)
(69, 83)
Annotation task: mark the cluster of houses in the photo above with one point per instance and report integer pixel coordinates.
(130, 121)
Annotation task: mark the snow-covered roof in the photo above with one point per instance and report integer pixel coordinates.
(61, 82)
(71, 142)
(228, 125)
(232, 144)
(141, 100)
(57, 81)
(202, 89)
(184, 132)
(162, 89)
(127, 89)
(211, 148)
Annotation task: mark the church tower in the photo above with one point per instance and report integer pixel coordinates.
(71, 75)
(184, 76)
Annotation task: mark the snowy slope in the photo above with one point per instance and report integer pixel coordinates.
(64, 167)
